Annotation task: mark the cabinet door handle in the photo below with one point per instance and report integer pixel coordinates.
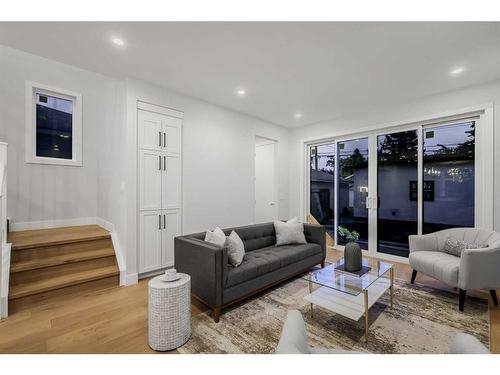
(159, 139)
(164, 163)
(159, 222)
(164, 221)
(164, 139)
(159, 162)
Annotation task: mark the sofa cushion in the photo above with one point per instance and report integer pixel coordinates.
(255, 236)
(268, 259)
(440, 265)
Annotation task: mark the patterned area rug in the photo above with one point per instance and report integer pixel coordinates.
(423, 320)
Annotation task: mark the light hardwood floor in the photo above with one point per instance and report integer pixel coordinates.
(100, 317)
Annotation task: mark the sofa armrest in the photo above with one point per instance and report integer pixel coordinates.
(316, 234)
(206, 264)
(424, 242)
(479, 269)
(463, 343)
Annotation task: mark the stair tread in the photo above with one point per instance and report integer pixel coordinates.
(55, 236)
(57, 282)
(64, 258)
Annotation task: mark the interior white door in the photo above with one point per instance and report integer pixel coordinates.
(171, 229)
(172, 130)
(150, 130)
(266, 207)
(151, 170)
(171, 182)
(151, 230)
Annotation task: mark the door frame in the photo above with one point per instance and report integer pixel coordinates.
(276, 198)
(484, 165)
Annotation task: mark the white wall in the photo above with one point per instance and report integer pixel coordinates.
(50, 192)
(451, 101)
(218, 162)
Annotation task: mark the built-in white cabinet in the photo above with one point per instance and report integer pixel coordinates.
(159, 153)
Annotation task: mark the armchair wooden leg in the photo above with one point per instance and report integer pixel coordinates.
(493, 293)
(413, 276)
(216, 314)
(461, 299)
(323, 264)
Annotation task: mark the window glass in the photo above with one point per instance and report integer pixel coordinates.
(448, 177)
(54, 127)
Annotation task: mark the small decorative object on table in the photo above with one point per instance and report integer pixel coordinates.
(169, 310)
(352, 251)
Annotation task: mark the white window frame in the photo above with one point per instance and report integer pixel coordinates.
(33, 88)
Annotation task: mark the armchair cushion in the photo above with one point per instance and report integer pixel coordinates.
(440, 265)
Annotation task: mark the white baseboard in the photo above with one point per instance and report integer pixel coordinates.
(4, 282)
(130, 279)
(46, 224)
(110, 227)
(4, 307)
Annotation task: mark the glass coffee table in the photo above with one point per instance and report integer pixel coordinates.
(347, 294)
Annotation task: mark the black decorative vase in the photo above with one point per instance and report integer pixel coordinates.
(352, 257)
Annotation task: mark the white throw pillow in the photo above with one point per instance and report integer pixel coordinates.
(216, 237)
(235, 249)
(291, 232)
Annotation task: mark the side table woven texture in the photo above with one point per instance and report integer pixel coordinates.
(169, 313)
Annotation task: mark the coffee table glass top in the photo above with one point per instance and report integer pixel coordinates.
(344, 282)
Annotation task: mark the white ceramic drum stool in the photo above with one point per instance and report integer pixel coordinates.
(169, 312)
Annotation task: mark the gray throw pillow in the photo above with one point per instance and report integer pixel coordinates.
(235, 249)
(291, 232)
(455, 247)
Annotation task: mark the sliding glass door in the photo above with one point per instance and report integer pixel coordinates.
(322, 185)
(397, 187)
(352, 188)
(388, 186)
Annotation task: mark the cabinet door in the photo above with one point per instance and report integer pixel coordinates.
(150, 179)
(172, 130)
(172, 224)
(171, 180)
(150, 130)
(150, 237)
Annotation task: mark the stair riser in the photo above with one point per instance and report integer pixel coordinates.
(21, 255)
(64, 269)
(55, 289)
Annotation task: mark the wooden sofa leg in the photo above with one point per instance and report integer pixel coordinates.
(461, 299)
(216, 314)
(323, 264)
(413, 276)
(493, 293)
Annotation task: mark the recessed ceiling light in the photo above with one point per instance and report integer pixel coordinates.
(298, 115)
(457, 71)
(241, 92)
(118, 42)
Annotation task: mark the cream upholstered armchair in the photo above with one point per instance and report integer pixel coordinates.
(474, 269)
(293, 340)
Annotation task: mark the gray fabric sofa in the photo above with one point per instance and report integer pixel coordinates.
(217, 284)
(474, 269)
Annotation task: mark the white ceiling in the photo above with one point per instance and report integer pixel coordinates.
(323, 70)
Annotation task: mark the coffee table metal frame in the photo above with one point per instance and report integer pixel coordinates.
(348, 295)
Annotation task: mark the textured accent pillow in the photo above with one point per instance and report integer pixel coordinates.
(455, 247)
(235, 249)
(291, 232)
(216, 237)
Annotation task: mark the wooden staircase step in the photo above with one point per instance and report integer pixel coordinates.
(62, 258)
(29, 288)
(29, 239)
